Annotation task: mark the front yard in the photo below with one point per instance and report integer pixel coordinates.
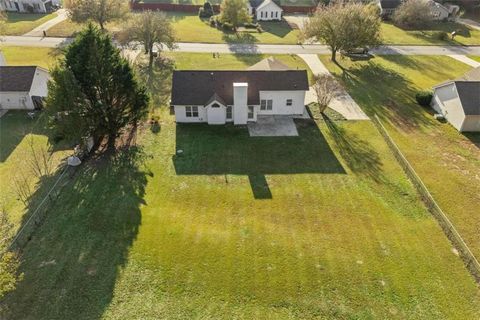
(465, 35)
(21, 23)
(29, 56)
(447, 161)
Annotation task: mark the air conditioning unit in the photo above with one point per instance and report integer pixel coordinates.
(439, 117)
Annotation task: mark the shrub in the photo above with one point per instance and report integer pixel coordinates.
(440, 35)
(252, 25)
(259, 29)
(201, 12)
(424, 98)
(213, 21)
(227, 26)
(208, 9)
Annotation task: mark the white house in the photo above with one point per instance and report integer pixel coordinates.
(439, 11)
(22, 87)
(459, 101)
(33, 6)
(265, 10)
(218, 97)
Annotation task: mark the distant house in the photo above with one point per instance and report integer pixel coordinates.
(22, 87)
(218, 97)
(459, 101)
(265, 10)
(439, 11)
(32, 6)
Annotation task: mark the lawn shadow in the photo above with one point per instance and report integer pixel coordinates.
(221, 150)
(358, 154)
(16, 125)
(278, 28)
(388, 94)
(474, 137)
(16, 17)
(71, 262)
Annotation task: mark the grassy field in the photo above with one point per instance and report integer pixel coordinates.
(447, 161)
(394, 35)
(199, 61)
(324, 225)
(476, 58)
(189, 28)
(29, 56)
(21, 23)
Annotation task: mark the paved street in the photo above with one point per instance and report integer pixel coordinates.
(263, 48)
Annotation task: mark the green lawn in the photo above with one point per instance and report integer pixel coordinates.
(447, 161)
(324, 225)
(199, 61)
(21, 23)
(18, 133)
(190, 28)
(394, 35)
(476, 58)
(29, 56)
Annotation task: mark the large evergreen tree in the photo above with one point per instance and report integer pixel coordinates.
(93, 91)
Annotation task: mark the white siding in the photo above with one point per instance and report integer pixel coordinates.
(270, 12)
(471, 124)
(15, 100)
(280, 102)
(180, 115)
(39, 83)
(216, 115)
(447, 102)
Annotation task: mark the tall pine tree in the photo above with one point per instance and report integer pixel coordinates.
(93, 91)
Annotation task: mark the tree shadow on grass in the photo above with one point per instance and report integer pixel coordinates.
(73, 259)
(220, 150)
(358, 154)
(474, 137)
(278, 28)
(388, 94)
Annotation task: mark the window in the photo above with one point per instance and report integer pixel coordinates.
(229, 112)
(191, 112)
(215, 105)
(271, 14)
(250, 112)
(266, 104)
(261, 14)
(289, 102)
(276, 14)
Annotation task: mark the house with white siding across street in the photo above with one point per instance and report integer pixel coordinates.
(238, 97)
(30, 6)
(265, 10)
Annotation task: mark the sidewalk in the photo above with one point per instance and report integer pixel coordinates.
(343, 103)
(470, 23)
(465, 60)
(38, 31)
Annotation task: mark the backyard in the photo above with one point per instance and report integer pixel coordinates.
(324, 225)
(21, 23)
(446, 160)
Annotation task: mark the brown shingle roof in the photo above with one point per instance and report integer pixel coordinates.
(16, 78)
(197, 87)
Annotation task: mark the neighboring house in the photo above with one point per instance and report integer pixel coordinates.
(439, 11)
(459, 101)
(265, 10)
(388, 7)
(218, 97)
(22, 87)
(269, 63)
(32, 6)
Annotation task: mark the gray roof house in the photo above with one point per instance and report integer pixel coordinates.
(459, 101)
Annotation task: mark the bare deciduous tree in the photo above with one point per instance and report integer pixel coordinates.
(99, 11)
(40, 159)
(8, 260)
(326, 88)
(22, 187)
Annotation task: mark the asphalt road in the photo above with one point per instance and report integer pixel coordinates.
(262, 48)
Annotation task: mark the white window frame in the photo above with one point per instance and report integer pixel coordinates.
(266, 104)
(250, 111)
(190, 111)
(228, 111)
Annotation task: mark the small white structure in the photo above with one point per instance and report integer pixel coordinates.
(265, 10)
(459, 101)
(32, 6)
(442, 12)
(218, 97)
(22, 87)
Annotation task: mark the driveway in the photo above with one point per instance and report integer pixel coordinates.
(38, 31)
(342, 103)
(298, 20)
(273, 126)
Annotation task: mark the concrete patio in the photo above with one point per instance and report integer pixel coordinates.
(273, 126)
